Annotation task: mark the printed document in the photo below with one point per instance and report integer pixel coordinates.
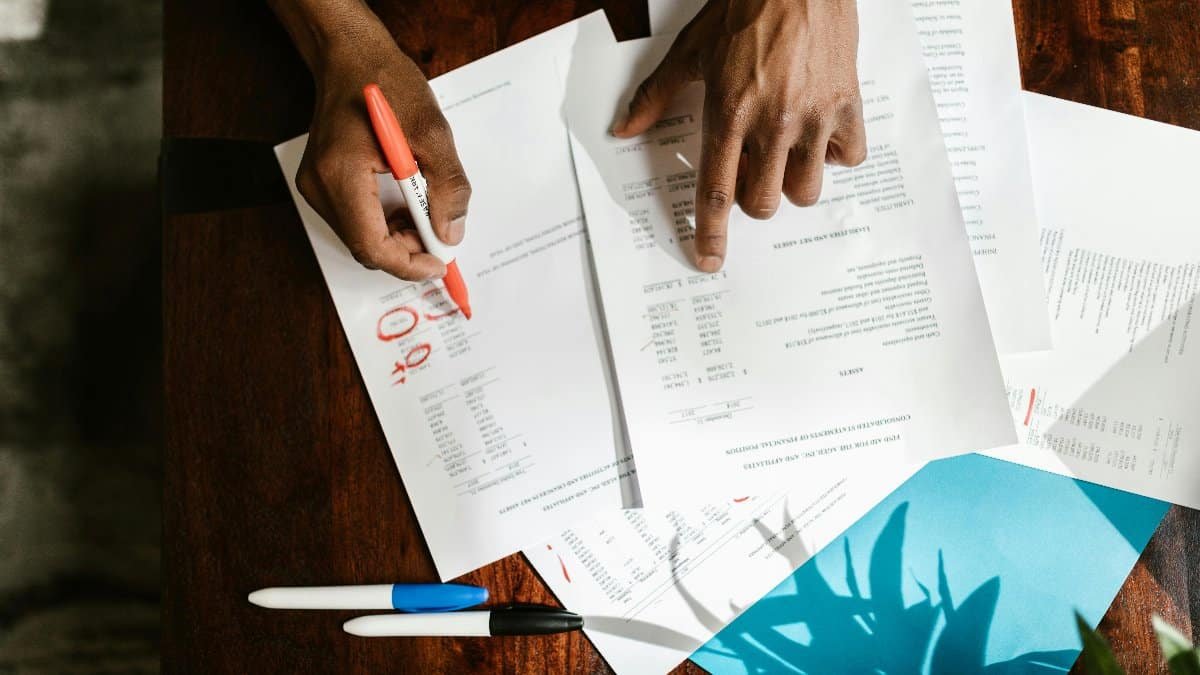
(970, 50)
(1115, 402)
(504, 427)
(851, 329)
(653, 585)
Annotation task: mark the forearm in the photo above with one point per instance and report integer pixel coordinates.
(322, 28)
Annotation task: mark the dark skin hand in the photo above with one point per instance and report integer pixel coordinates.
(346, 47)
(781, 99)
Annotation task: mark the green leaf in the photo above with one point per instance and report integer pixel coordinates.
(1171, 640)
(1181, 657)
(1185, 663)
(1097, 658)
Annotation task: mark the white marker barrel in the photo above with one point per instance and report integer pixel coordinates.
(416, 197)
(448, 624)
(375, 596)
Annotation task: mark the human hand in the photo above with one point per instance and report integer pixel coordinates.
(337, 174)
(781, 87)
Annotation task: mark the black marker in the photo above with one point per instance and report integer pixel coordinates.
(515, 620)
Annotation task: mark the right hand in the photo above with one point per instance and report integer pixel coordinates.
(781, 91)
(337, 175)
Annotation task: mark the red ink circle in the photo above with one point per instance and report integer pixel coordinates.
(388, 337)
(424, 349)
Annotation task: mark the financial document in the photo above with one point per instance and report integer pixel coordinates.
(504, 428)
(1115, 402)
(970, 50)
(655, 584)
(853, 328)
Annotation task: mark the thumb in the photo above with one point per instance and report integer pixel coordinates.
(448, 187)
(653, 96)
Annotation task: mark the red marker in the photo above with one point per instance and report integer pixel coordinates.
(412, 184)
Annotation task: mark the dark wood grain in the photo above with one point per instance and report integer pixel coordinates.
(275, 466)
(1140, 57)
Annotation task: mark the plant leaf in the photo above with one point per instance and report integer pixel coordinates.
(1181, 658)
(961, 648)
(1097, 657)
(1185, 663)
(1170, 640)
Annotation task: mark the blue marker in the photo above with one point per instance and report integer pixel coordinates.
(402, 597)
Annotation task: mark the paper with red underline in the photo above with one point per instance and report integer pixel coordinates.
(504, 428)
(970, 49)
(1116, 401)
(853, 329)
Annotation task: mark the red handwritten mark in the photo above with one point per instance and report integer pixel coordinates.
(1029, 410)
(739, 500)
(419, 353)
(561, 564)
(415, 357)
(388, 337)
(423, 349)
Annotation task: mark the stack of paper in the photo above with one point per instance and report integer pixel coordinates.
(771, 405)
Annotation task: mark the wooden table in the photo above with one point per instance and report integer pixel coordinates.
(276, 468)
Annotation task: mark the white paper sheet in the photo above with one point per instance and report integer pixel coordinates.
(1116, 402)
(851, 328)
(971, 51)
(505, 427)
(654, 585)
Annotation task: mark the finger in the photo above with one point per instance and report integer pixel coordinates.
(449, 189)
(359, 220)
(740, 183)
(400, 219)
(656, 92)
(805, 170)
(759, 190)
(848, 145)
(715, 189)
(411, 240)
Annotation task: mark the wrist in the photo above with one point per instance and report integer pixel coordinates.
(329, 34)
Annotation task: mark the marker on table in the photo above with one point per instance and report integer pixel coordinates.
(520, 620)
(412, 184)
(403, 597)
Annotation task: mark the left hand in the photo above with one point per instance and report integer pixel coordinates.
(781, 82)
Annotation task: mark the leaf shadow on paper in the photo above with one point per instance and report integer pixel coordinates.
(652, 633)
(872, 630)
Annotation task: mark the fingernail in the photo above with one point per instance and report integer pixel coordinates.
(709, 263)
(457, 229)
(619, 126)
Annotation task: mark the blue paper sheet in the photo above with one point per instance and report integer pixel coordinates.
(973, 565)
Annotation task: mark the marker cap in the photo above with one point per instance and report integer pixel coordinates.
(391, 136)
